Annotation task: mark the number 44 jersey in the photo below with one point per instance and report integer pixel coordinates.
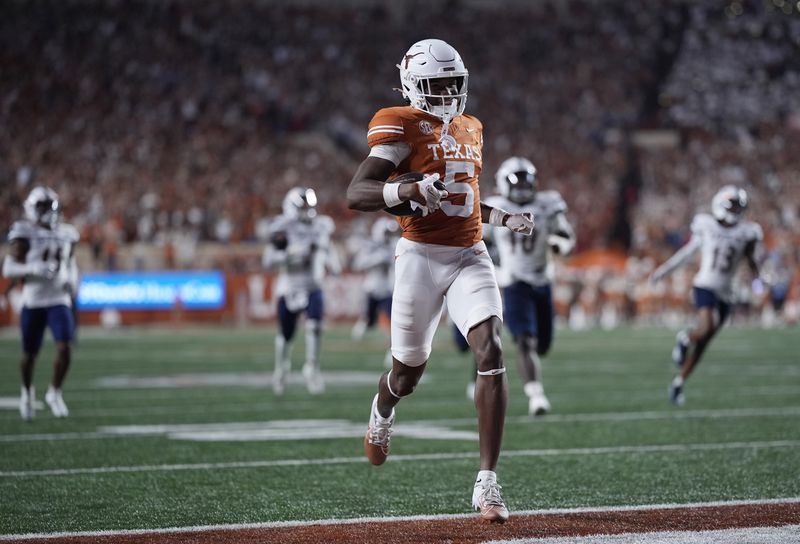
(721, 251)
(53, 247)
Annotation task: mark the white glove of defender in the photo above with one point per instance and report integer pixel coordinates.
(43, 270)
(521, 222)
(433, 196)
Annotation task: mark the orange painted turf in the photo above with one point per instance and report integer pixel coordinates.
(469, 530)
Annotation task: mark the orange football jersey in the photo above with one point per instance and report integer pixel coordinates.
(458, 222)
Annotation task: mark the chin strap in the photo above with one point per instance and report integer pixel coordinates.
(446, 140)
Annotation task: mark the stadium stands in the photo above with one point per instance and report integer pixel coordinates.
(175, 123)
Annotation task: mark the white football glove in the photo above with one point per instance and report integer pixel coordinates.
(521, 222)
(433, 196)
(43, 270)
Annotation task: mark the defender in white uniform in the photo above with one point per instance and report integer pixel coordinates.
(723, 241)
(375, 256)
(42, 257)
(300, 248)
(525, 269)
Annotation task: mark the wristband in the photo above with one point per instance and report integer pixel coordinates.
(391, 194)
(497, 217)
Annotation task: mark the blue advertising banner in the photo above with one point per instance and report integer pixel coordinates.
(196, 290)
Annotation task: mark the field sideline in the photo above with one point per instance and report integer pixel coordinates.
(178, 428)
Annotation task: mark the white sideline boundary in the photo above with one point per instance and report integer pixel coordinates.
(351, 521)
(751, 535)
(659, 448)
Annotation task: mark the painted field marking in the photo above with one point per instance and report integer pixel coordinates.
(259, 380)
(353, 521)
(660, 448)
(789, 411)
(291, 429)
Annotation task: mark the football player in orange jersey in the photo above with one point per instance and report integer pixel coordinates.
(441, 256)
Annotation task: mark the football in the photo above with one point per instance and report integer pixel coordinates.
(404, 208)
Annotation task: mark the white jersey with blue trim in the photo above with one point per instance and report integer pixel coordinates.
(308, 253)
(526, 258)
(721, 250)
(52, 246)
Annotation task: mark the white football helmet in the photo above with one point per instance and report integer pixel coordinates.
(42, 207)
(384, 229)
(729, 204)
(429, 60)
(300, 203)
(516, 180)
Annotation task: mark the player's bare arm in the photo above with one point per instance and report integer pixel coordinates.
(751, 254)
(365, 192)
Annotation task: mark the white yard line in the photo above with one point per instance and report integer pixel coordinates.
(352, 521)
(660, 448)
(790, 411)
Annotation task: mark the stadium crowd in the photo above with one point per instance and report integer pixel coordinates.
(175, 122)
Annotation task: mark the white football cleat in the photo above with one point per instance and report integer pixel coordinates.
(279, 381)
(313, 377)
(27, 403)
(487, 499)
(676, 396)
(538, 404)
(680, 349)
(379, 432)
(56, 402)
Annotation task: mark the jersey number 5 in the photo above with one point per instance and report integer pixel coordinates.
(451, 169)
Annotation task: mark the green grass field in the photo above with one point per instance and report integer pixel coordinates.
(179, 427)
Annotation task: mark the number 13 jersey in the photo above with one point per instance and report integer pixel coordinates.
(458, 222)
(721, 251)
